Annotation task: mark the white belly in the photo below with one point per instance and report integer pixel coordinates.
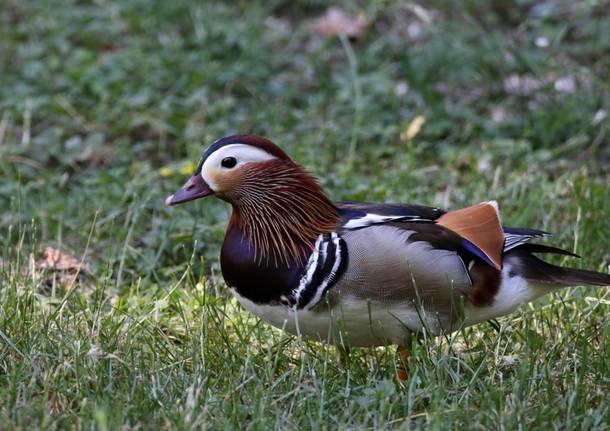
(514, 291)
(357, 323)
(351, 323)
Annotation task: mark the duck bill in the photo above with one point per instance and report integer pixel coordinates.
(194, 188)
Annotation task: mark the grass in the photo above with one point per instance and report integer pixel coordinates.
(105, 105)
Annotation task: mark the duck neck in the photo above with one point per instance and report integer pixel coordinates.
(281, 210)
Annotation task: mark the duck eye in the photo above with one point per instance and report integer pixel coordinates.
(228, 162)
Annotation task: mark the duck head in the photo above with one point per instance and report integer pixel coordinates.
(227, 167)
(277, 205)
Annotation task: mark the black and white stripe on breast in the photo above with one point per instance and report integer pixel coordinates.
(325, 266)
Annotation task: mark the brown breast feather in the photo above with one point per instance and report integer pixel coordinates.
(479, 224)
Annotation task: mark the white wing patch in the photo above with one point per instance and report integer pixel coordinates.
(371, 219)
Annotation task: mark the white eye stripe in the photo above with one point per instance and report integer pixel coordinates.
(243, 153)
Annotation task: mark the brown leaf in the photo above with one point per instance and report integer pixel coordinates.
(413, 128)
(498, 114)
(63, 270)
(52, 258)
(522, 84)
(337, 21)
(93, 156)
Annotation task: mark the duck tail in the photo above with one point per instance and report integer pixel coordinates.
(583, 277)
(536, 270)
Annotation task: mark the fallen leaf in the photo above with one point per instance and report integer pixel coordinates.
(65, 270)
(93, 156)
(542, 42)
(498, 114)
(413, 128)
(54, 259)
(337, 21)
(597, 118)
(166, 171)
(188, 168)
(401, 88)
(565, 84)
(484, 164)
(523, 85)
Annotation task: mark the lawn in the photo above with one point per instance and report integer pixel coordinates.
(113, 312)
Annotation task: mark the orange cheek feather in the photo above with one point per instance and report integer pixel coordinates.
(226, 182)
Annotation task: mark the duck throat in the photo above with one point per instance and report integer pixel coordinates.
(281, 210)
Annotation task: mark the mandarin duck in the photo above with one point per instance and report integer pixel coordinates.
(361, 274)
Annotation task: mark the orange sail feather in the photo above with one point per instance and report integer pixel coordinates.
(479, 224)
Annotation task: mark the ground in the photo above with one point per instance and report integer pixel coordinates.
(113, 313)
